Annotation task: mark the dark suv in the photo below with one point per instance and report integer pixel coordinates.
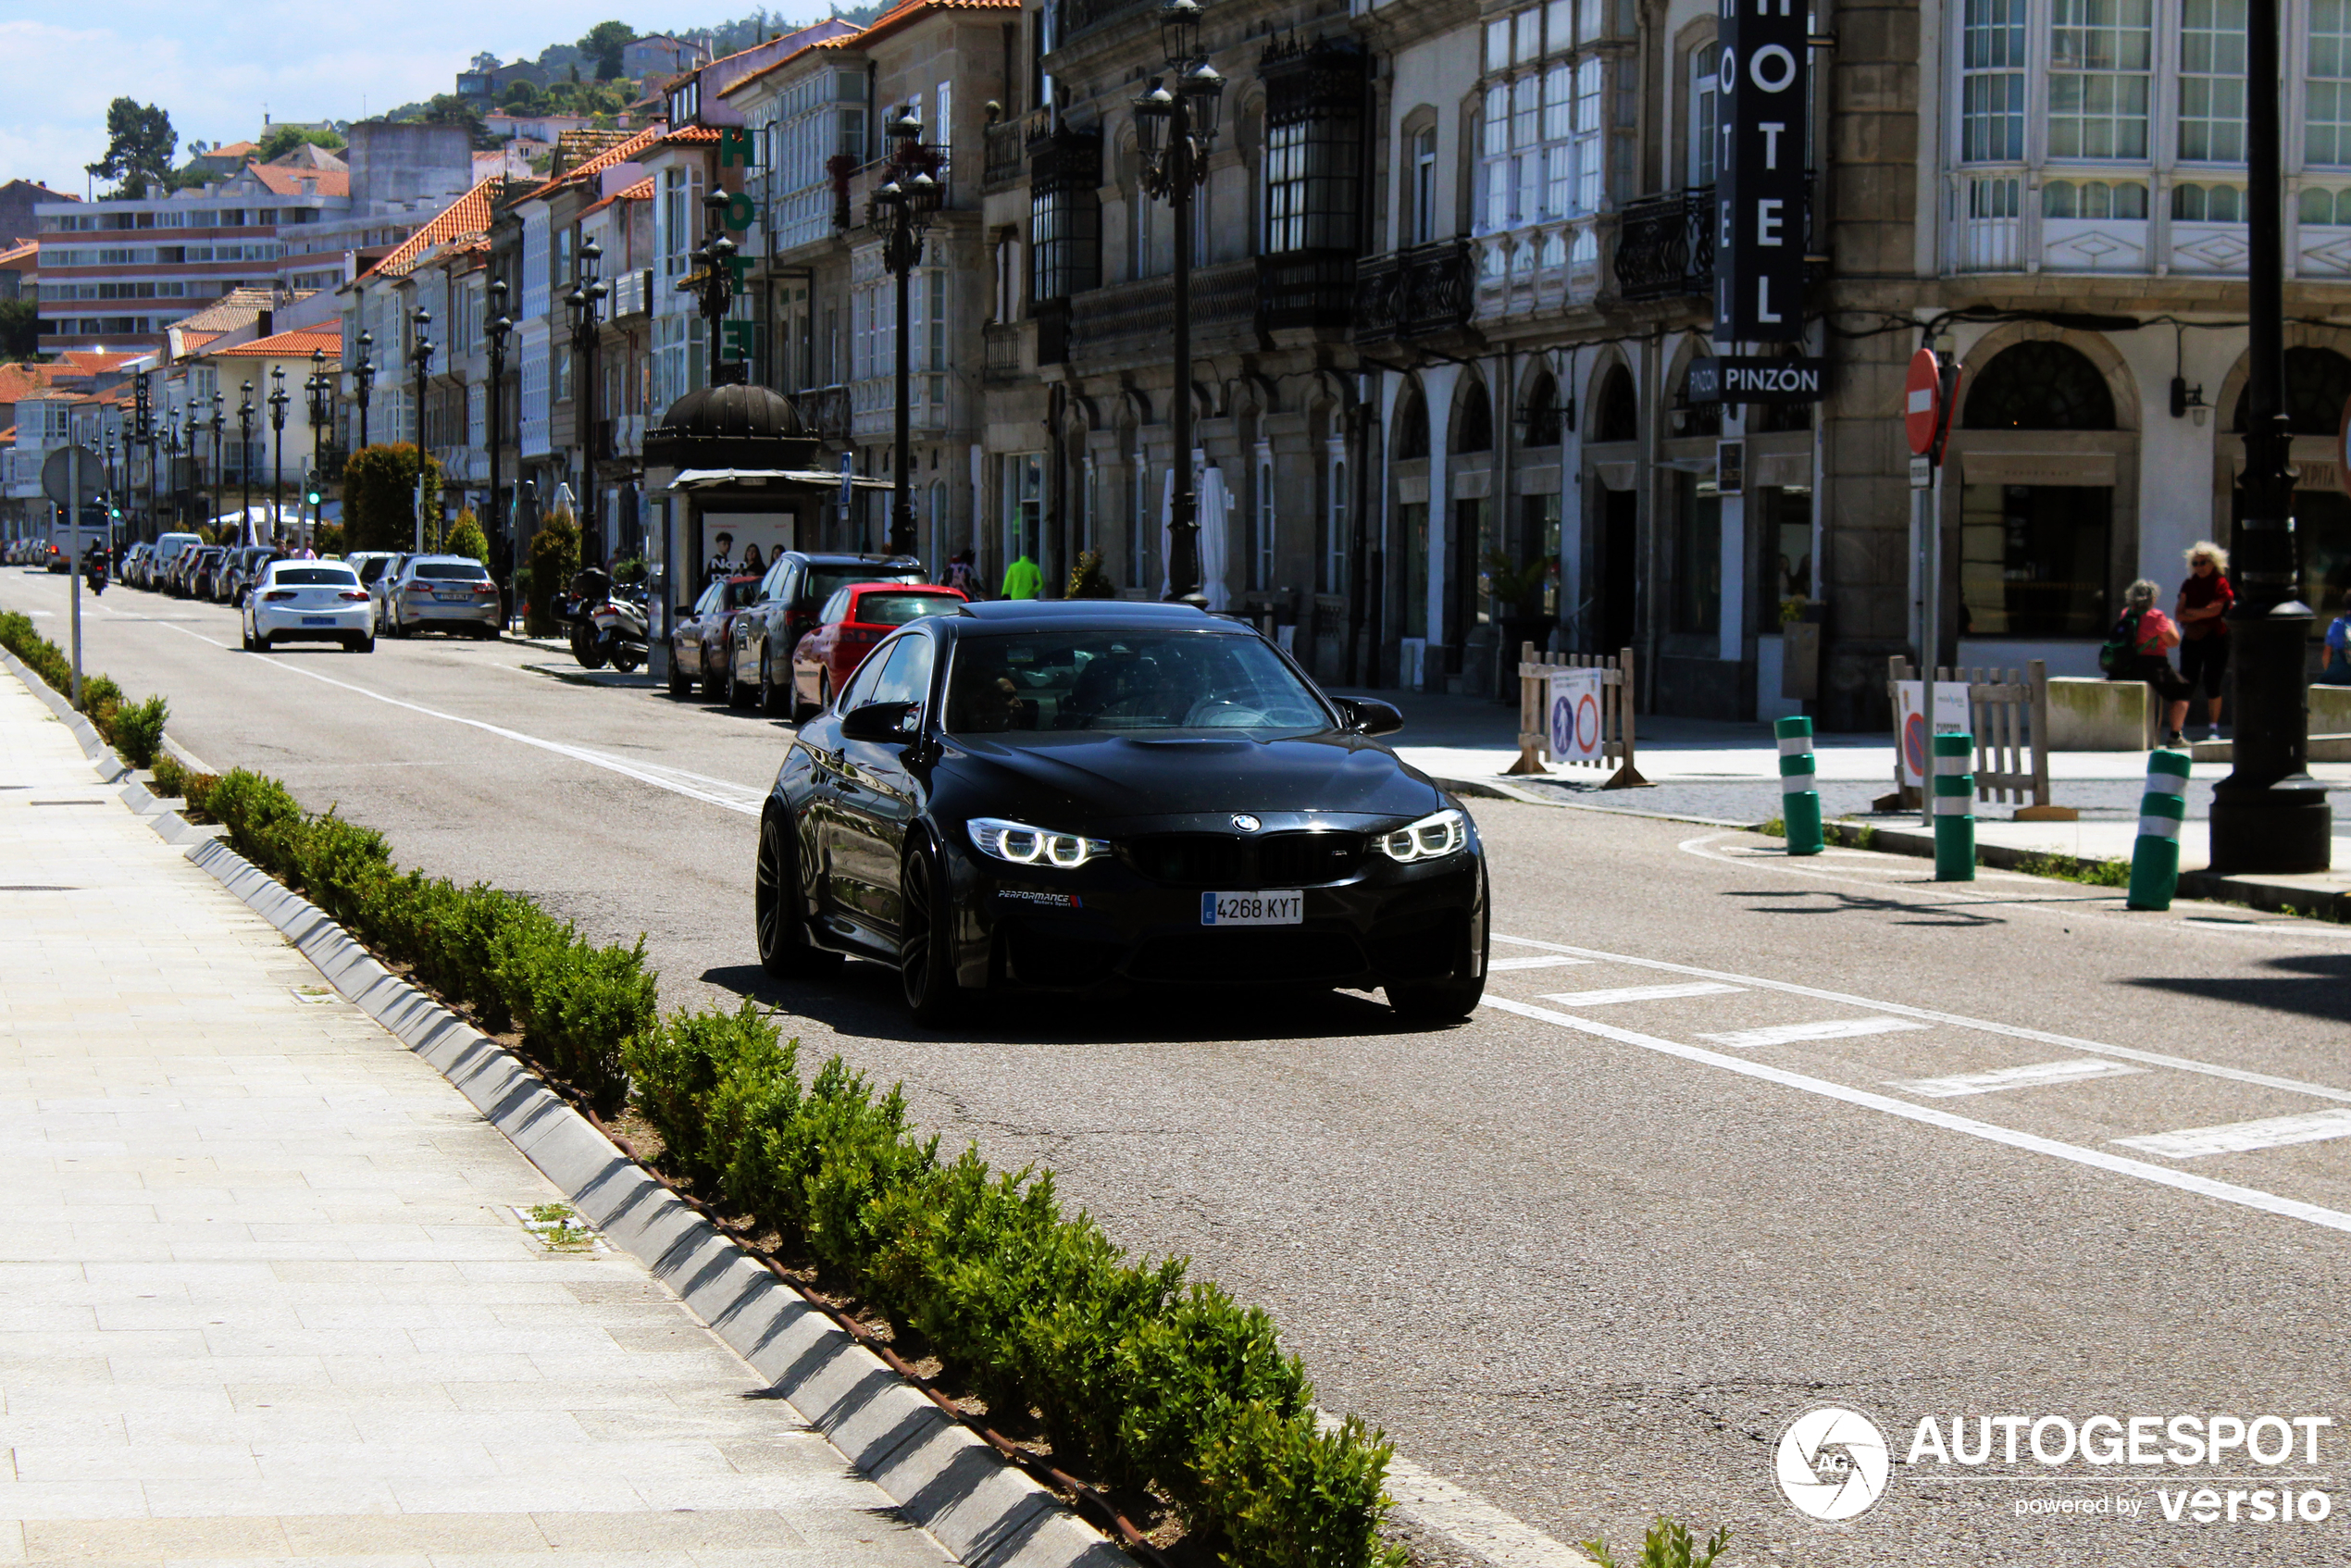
(784, 610)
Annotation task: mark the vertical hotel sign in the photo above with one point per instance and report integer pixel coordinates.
(1759, 247)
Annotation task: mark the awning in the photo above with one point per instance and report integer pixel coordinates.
(710, 479)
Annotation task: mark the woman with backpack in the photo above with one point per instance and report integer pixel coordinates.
(2202, 612)
(2139, 648)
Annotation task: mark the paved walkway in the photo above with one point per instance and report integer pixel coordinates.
(267, 1293)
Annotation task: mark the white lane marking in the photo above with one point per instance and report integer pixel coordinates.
(2031, 1076)
(1638, 993)
(723, 793)
(1843, 998)
(1546, 961)
(1788, 1034)
(2238, 1137)
(2098, 1159)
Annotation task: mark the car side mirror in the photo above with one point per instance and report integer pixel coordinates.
(882, 721)
(1369, 716)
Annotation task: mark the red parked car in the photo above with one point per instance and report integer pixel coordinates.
(852, 621)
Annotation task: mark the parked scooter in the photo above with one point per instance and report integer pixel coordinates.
(606, 627)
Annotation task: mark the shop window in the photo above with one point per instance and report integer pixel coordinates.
(1474, 421)
(2040, 386)
(2322, 528)
(1698, 555)
(1616, 414)
(1783, 515)
(2033, 560)
(1542, 414)
(1412, 519)
(2317, 384)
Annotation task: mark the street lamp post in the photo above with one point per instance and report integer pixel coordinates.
(713, 289)
(2269, 815)
(220, 475)
(171, 465)
(1185, 117)
(245, 456)
(585, 302)
(277, 401)
(317, 386)
(495, 331)
(114, 496)
(901, 208)
(363, 377)
(420, 356)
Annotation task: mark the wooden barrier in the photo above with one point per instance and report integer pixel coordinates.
(1535, 672)
(2009, 720)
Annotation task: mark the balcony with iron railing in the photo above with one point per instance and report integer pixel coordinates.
(826, 411)
(1083, 16)
(1007, 145)
(1314, 289)
(1665, 245)
(1139, 318)
(1004, 359)
(1423, 291)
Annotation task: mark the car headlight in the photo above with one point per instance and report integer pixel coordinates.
(1431, 838)
(1023, 845)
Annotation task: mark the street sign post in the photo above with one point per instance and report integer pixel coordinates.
(69, 477)
(1926, 422)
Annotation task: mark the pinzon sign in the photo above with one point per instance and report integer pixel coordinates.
(1756, 380)
(1765, 87)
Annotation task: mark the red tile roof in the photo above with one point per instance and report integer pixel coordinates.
(914, 10)
(236, 308)
(16, 380)
(294, 344)
(285, 181)
(89, 361)
(620, 153)
(692, 136)
(641, 192)
(234, 149)
(20, 257)
(839, 40)
(469, 214)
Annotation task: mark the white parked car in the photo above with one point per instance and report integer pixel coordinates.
(452, 593)
(308, 602)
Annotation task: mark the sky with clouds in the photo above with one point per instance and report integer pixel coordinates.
(217, 68)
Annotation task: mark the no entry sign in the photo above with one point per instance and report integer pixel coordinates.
(1924, 392)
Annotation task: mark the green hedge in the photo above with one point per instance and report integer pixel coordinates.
(135, 730)
(1142, 1377)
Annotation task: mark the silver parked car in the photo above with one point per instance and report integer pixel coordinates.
(452, 593)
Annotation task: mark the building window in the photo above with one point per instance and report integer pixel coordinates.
(1335, 539)
(2093, 198)
(1992, 99)
(1423, 197)
(2208, 204)
(1065, 216)
(1705, 113)
(2326, 136)
(1139, 522)
(1697, 543)
(2098, 55)
(1313, 145)
(2212, 81)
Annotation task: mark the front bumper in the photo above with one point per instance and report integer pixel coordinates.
(294, 624)
(1104, 927)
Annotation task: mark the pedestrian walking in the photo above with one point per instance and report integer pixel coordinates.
(962, 574)
(2334, 667)
(1023, 579)
(2139, 648)
(2202, 611)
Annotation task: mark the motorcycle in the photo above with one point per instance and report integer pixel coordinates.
(94, 572)
(606, 627)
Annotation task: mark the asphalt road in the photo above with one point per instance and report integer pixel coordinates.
(1590, 1254)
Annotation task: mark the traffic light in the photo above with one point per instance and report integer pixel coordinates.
(312, 499)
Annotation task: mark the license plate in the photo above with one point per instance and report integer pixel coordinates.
(318, 620)
(1252, 909)
(452, 598)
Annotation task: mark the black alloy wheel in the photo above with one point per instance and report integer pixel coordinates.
(780, 930)
(737, 693)
(1457, 996)
(682, 685)
(771, 698)
(925, 939)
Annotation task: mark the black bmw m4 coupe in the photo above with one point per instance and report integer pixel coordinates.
(1091, 796)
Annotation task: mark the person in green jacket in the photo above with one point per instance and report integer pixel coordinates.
(1023, 579)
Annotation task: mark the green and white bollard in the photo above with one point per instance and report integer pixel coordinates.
(2155, 860)
(1954, 809)
(1799, 785)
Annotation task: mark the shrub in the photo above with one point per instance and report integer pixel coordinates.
(380, 495)
(554, 556)
(138, 731)
(465, 538)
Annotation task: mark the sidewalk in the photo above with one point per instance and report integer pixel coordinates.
(268, 1294)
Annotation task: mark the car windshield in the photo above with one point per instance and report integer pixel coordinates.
(315, 577)
(453, 571)
(824, 581)
(899, 609)
(1128, 681)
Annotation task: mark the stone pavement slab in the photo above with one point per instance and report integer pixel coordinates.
(265, 1295)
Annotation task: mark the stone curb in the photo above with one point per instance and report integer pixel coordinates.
(943, 1478)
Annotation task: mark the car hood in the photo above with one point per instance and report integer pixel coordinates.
(1106, 783)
